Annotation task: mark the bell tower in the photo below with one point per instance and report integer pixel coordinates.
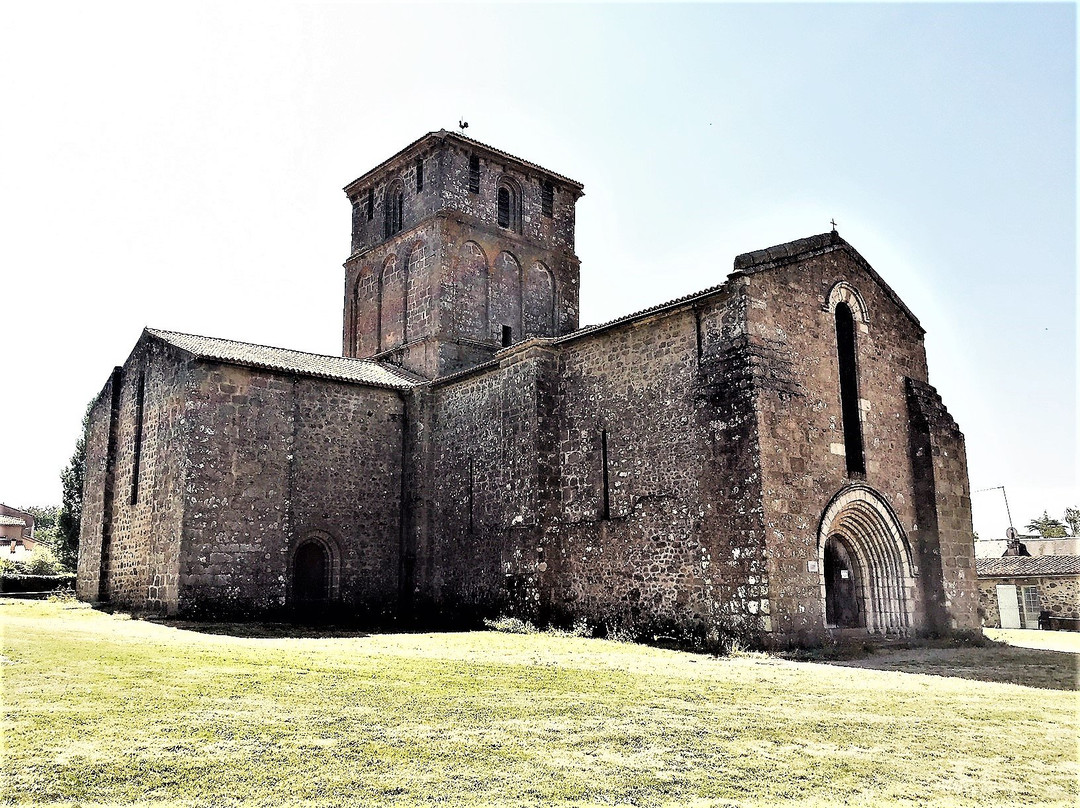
(458, 251)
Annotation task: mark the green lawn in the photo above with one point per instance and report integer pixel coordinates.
(103, 710)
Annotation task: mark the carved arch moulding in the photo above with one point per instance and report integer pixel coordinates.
(844, 292)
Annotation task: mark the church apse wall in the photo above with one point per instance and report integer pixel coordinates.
(206, 481)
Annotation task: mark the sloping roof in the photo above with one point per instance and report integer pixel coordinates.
(12, 520)
(340, 368)
(1027, 566)
(443, 134)
(749, 264)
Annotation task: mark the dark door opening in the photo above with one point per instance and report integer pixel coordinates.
(310, 574)
(841, 587)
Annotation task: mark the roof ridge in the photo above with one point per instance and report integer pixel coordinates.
(162, 331)
(522, 160)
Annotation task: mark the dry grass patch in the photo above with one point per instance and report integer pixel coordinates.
(110, 711)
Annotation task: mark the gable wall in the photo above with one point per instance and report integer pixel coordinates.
(274, 457)
(802, 438)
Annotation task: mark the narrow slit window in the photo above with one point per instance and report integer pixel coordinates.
(849, 389)
(471, 494)
(140, 395)
(604, 463)
(507, 335)
(370, 203)
(474, 174)
(547, 200)
(420, 175)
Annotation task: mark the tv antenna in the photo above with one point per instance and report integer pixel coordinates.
(1011, 532)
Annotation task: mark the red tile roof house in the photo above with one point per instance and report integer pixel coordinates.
(16, 533)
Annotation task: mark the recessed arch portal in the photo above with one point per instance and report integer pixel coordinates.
(315, 570)
(860, 534)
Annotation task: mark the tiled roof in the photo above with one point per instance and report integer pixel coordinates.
(660, 307)
(12, 520)
(1025, 566)
(360, 371)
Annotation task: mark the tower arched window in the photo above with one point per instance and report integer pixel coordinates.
(849, 389)
(508, 202)
(395, 209)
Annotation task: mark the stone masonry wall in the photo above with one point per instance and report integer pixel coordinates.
(679, 549)
(97, 487)
(481, 483)
(943, 510)
(436, 296)
(553, 233)
(274, 458)
(519, 521)
(132, 551)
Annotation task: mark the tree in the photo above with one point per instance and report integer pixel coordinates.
(1072, 519)
(45, 518)
(1047, 526)
(69, 521)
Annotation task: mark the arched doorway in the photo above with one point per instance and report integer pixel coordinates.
(314, 571)
(841, 585)
(867, 574)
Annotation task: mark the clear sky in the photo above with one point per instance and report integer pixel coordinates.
(180, 166)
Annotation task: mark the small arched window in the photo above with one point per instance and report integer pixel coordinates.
(849, 389)
(508, 202)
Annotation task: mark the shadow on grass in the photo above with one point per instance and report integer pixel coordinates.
(991, 662)
(267, 631)
(298, 626)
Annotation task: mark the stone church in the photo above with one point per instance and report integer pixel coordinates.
(763, 459)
